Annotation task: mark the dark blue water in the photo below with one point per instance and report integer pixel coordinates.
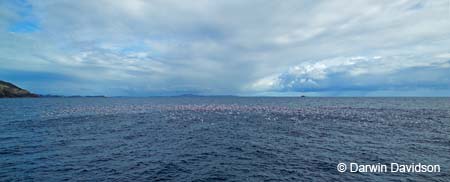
(220, 139)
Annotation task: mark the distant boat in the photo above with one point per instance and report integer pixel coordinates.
(302, 96)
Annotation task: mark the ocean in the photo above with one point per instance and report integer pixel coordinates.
(222, 138)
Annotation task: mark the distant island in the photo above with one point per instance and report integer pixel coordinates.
(9, 90)
(73, 96)
(197, 95)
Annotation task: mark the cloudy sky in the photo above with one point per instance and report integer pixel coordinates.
(249, 48)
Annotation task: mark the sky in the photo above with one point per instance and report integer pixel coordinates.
(227, 47)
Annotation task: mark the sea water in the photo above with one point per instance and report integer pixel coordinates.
(221, 138)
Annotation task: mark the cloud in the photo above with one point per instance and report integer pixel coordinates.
(368, 74)
(162, 47)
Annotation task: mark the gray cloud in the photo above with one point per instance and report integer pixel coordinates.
(233, 47)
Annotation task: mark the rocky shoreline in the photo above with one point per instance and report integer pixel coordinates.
(9, 90)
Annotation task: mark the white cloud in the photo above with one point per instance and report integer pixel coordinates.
(369, 73)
